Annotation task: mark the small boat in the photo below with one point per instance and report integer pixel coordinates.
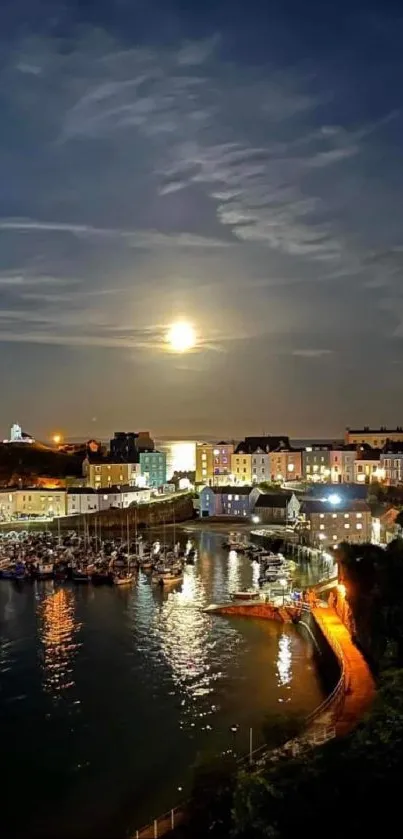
(246, 595)
(123, 580)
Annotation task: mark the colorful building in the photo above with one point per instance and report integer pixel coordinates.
(228, 501)
(285, 465)
(326, 524)
(104, 473)
(153, 468)
(376, 438)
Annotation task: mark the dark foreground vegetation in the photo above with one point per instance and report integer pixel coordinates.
(346, 788)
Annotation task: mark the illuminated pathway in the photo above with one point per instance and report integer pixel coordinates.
(360, 686)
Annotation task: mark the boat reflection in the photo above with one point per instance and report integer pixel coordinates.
(233, 572)
(57, 633)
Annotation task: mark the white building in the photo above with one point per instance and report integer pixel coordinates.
(17, 435)
(6, 505)
(82, 500)
(123, 497)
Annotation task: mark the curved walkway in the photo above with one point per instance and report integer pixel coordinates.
(360, 686)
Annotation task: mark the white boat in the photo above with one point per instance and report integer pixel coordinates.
(246, 595)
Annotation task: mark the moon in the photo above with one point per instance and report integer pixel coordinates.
(181, 337)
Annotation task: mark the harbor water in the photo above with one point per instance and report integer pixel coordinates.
(111, 697)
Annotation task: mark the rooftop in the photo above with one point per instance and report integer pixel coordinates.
(272, 500)
(231, 490)
(345, 506)
(266, 444)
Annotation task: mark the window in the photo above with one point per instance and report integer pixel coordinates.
(359, 516)
(230, 498)
(334, 538)
(347, 526)
(321, 515)
(321, 527)
(346, 515)
(359, 526)
(237, 498)
(360, 468)
(105, 497)
(308, 468)
(334, 515)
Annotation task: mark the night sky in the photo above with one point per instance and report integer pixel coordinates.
(235, 164)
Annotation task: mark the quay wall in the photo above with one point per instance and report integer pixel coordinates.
(265, 611)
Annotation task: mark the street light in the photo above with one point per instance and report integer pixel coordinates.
(256, 519)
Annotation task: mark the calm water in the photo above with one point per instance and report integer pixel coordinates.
(107, 697)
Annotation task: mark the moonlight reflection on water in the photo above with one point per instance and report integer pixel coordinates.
(110, 697)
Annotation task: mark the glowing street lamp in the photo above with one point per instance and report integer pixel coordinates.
(341, 589)
(57, 439)
(256, 519)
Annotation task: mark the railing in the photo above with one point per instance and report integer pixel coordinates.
(163, 824)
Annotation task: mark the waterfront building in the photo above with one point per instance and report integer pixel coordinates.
(342, 465)
(123, 496)
(376, 438)
(277, 508)
(367, 467)
(81, 500)
(228, 501)
(6, 505)
(316, 462)
(104, 473)
(326, 524)
(204, 463)
(391, 464)
(153, 468)
(39, 501)
(285, 465)
(250, 467)
(241, 467)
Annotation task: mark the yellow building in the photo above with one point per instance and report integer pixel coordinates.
(204, 463)
(38, 501)
(104, 474)
(241, 468)
(374, 437)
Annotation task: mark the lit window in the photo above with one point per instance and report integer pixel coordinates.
(216, 452)
(322, 536)
(359, 515)
(105, 497)
(308, 468)
(334, 515)
(237, 498)
(346, 526)
(359, 526)
(230, 498)
(321, 527)
(346, 515)
(321, 515)
(334, 538)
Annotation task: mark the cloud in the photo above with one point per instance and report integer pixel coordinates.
(311, 353)
(133, 238)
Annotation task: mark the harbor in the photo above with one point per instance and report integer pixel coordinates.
(117, 693)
